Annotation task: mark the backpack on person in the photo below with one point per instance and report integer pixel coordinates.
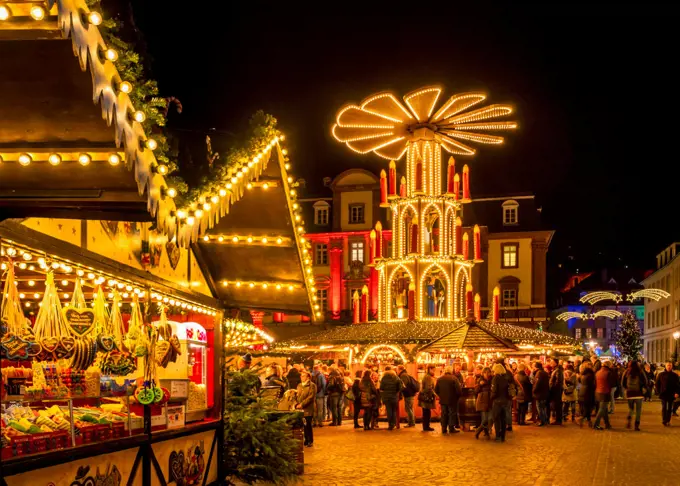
(336, 384)
(412, 387)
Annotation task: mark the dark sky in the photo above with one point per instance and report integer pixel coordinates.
(595, 91)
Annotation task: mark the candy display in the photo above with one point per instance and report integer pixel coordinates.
(197, 399)
(116, 363)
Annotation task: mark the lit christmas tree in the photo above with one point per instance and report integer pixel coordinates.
(629, 337)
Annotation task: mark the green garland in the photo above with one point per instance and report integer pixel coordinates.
(144, 95)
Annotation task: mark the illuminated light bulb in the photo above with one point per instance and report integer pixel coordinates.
(225, 283)
(229, 186)
(249, 186)
(4, 12)
(206, 207)
(235, 239)
(172, 192)
(26, 256)
(220, 239)
(297, 217)
(84, 159)
(300, 229)
(278, 286)
(303, 240)
(28, 304)
(264, 285)
(54, 159)
(111, 54)
(316, 306)
(25, 159)
(95, 18)
(215, 199)
(296, 205)
(318, 314)
(238, 284)
(80, 272)
(171, 301)
(166, 299)
(265, 186)
(128, 288)
(90, 276)
(181, 214)
(293, 192)
(284, 152)
(139, 116)
(21, 296)
(290, 179)
(282, 137)
(37, 12)
(222, 193)
(31, 283)
(151, 144)
(36, 295)
(239, 175)
(64, 283)
(264, 240)
(290, 288)
(287, 166)
(31, 268)
(250, 239)
(251, 285)
(162, 169)
(244, 169)
(125, 87)
(114, 159)
(55, 265)
(206, 238)
(66, 296)
(191, 220)
(22, 266)
(279, 241)
(3, 266)
(111, 283)
(125, 295)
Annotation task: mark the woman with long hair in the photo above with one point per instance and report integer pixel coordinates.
(634, 384)
(500, 395)
(483, 402)
(369, 395)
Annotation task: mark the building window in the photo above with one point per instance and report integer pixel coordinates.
(578, 333)
(322, 299)
(509, 255)
(509, 298)
(600, 333)
(321, 254)
(278, 317)
(589, 333)
(356, 213)
(356, 253)
(321, 215)
(510, 210)
(668, 314)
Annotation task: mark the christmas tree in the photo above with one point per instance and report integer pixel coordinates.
(258, 443)
(629, 338)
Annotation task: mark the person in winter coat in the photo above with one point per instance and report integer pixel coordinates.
(356, 392)
(426, 397)
(483, 402)
(614, 384)
(569, 393)
(541, 392)
(375, 378)
(634, 384)
(556, 390)
(320, 381)
(668, 389)
(275, 379)
(603, 396)
(586, 393)
(448, 389)
(390, 388)
(524, 390)
(336, 392)
(409, 394)
(293, 378)
(306, 398)
(368, 394)
(500, 395)
(649, 373)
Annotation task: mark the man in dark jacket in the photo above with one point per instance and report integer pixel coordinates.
(523, 394)
(668, 389)
(541, 390)
(319, 380)
(556, 389)
(448, 389)
(335, 389)
(409, 395)
(390, 387)
(614, 383)
(293, 378)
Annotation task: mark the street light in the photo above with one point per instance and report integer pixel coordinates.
(676, 336)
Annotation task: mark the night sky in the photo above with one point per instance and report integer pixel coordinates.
(595, 91)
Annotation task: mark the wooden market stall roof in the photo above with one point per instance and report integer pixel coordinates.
(70, 146)
(470, 337)
(255, 253)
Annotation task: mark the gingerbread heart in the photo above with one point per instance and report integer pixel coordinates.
(81, 321)
(177, 467)
(174, 342)
(163, 349)
(49, 344)
(107, 343)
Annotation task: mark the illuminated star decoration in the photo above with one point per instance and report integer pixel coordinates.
(593, 297)
(565, 316)
(654, 294)
(609, 313)
(383, 125)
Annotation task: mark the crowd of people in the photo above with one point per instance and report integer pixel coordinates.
(545, 395)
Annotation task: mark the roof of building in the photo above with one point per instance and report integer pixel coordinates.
(488, 211)
(470, 337)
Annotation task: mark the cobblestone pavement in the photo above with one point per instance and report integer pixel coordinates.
(531, 455)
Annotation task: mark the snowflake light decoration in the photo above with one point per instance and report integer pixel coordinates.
(383, 125)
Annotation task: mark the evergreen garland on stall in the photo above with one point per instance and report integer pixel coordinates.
(258, 443)
(629, 338)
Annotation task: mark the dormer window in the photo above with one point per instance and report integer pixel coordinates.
(510, 213)
(321, 212)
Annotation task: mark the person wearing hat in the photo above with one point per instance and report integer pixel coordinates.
(245, 361)
(306, 398)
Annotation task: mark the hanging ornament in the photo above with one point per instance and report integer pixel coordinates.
(134, 327)
(52, 327)
(116, 325)
(78, 298)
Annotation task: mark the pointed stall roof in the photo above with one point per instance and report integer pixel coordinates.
(470, 337)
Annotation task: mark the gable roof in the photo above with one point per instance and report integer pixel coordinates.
(470, 337)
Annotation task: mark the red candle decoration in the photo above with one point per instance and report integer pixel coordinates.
(414, 238)
(383, 189)
(458, 236)
(469, 300)
(419, 176)
(451, 175)
(392, 179)
(356, 317)
(478, 308)
(412, 301)
(456, 187)
(402, 187)
(373, 246)
(466, 184)
(477, 243)
(466, 246)
(364, 304)
(378, 240)
(495, 307)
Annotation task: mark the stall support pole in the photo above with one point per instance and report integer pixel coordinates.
(146, 455)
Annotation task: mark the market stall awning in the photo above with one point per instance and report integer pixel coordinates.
(470, 337)
(71, 141)
(255, 253)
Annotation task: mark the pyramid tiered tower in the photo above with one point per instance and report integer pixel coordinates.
(428, 275)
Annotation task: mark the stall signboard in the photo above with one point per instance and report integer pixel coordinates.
(176, 417)
(179, 389)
